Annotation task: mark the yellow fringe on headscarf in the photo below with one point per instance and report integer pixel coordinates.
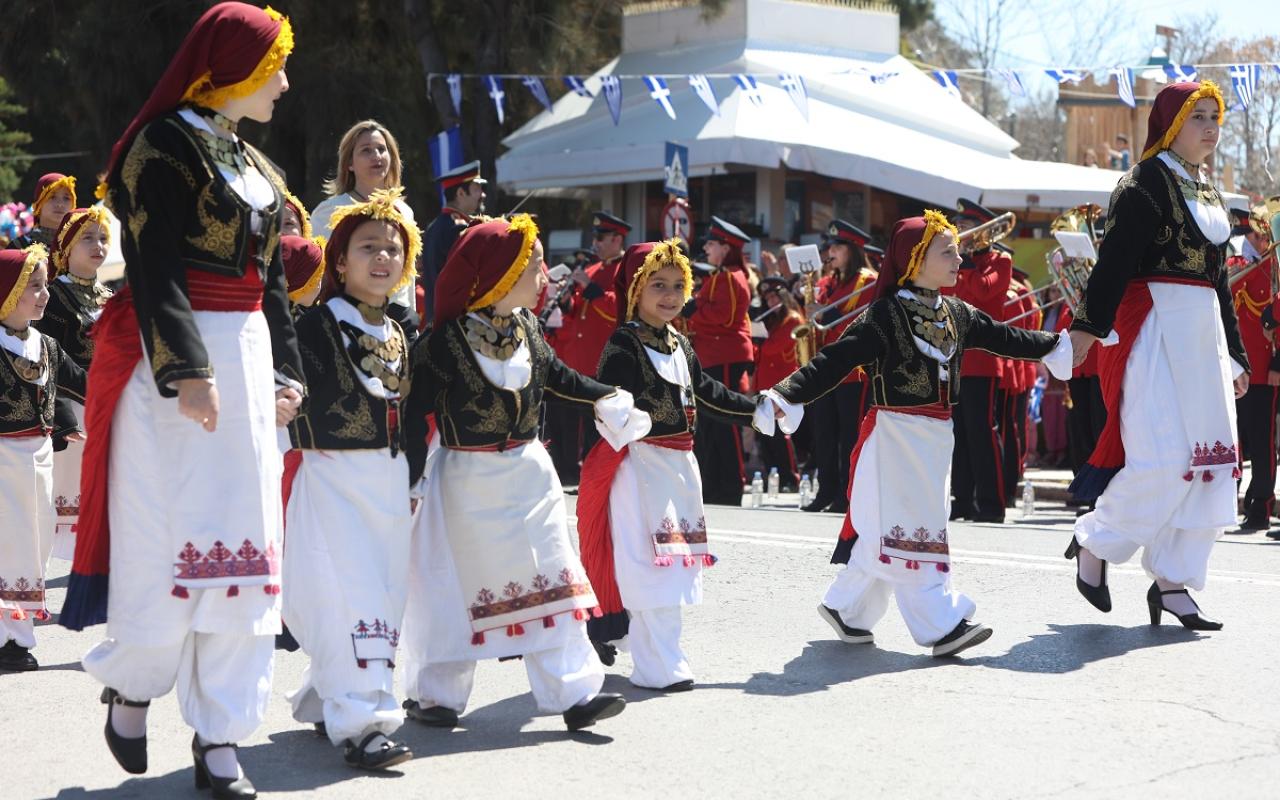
(382, 205)
(303, 216)
(1207, 89)
(524, 225)
(35, 254)
(663, 254)
(313, 282)
(61, 257)
(67, 182)
(935, 221)
(202, 92)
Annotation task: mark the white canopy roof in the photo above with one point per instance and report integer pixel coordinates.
(904, 134)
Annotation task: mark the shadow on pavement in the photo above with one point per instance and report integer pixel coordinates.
(1068, 648)
(496, 726)
(826, 663)
(176, 784)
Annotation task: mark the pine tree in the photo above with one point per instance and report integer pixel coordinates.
(14, 159)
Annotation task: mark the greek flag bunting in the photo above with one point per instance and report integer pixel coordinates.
(1180, 72)
(660, 93)
(946, 78)
(794, 84)
(576, 86)
(750, 88)
(1124, 86)
(1066, 75)
(495, 91)
(1016, 88)
(702, 88)
(613, 95)
(1244, 79)
(455, 92)
(538, 89)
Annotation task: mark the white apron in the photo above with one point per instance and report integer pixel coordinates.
(66, 493)
(26, 523)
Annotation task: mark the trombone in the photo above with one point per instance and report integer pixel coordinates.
(806, 333)
(986, 234)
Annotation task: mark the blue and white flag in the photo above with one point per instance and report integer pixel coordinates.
(750, 88)
(794, 84)
(495, 91)
(613, 94)
(660, 93)
(1244, 79)
(702, 88)
(455, 92)
(1066, 75)
(946, 78)
(879, 78)
(446, 151)
(576, 86)
(1016, 88)
(538, 89)
(1178, 73)
(1124, 86)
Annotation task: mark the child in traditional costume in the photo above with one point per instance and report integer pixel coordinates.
(348, 521)
(494, 574)
(34, 374)
(195, 365)
(76, 298)
(304, 269)
(55, 197)
(910, 341)
(297, 222)
(640, 510)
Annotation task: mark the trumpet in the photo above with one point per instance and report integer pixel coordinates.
(804, 335)
(986, 234)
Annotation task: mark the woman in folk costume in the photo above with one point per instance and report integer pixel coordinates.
(1162, 469)
(76, 297)
(195, 364)
(640, 511)
(348, 519)
(493, 572)
(911, 341)
(34, 375)
(55, 197)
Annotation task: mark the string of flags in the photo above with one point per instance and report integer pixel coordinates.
(1244, 82)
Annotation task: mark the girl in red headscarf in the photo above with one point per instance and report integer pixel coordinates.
(640, 510)
(911, 341)
(76, 298)
(55, 196)
(195, 365)
(1163, 470)
(494, 574)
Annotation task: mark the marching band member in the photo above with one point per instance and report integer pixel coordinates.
(513, 584)
(1086, 412)
(589, 313)
(912, 342)
(34, 374)
(720, 328)
(641, 520)
(1018, 381)
(839, 414)
(55, 197)
(182, 426)
(463, 191)
(775, 360)
(1162, 469)
(1257, 409)
(977, 487)
(348, 510)
(76, 298)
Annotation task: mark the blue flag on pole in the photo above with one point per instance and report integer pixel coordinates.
(446, 151)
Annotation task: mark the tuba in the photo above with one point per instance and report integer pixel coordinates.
(986, 234)
(804, 334)
(1072, 274)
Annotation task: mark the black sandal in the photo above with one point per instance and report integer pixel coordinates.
(386, 756)
(240, 788)
(130, 754)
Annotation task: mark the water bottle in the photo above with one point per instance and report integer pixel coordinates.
(774, 481)
(806, 490)
(757, 491)
(1028, 498)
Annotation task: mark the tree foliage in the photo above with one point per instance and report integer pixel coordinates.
(13, 154)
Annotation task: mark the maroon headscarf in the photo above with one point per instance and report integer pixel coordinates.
(1171, 107)
(483, 265)
(907, 247)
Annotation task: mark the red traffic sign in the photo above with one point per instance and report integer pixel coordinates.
(677, 220)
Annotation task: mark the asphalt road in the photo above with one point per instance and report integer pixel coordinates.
(1061, 702)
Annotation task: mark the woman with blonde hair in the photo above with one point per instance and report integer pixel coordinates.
(368, 160)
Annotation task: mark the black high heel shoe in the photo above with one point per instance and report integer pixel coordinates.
(130, 754)
(1098, 596)
(1192, 622)
(223, 788)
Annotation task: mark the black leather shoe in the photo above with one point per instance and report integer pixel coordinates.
(844, 632)
(321, 729)
(285, 640)
(607, 653)
(385, 756)
(839, 507)
(15, 658)
(1098, 596)
(434, 717)
(130, 754)
(1192, 622)
(223, 788)
(818, 504)
(959, 514)
(678, 686)
(602, 706)
(962, 637)
(1255, 522)
(988, 516)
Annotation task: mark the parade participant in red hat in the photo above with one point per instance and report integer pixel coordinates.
(978, 488)
(894, 541)
(1252, 294)
(1017, 381)
(55, 196)
(297, 222)
(1163, 467)
(76, 298)
(720, 328)
(463, 191)
(348, 512)
(35, 374)
(513, 586)
(195, 364)
(304, 270)
(838, 416)
(641, 519)
(589, 312)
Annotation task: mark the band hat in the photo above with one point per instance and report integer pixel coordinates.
(843, 232)
(604, 222)
(467, 173)
(727, 232)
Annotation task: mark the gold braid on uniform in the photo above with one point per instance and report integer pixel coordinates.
(494, 335)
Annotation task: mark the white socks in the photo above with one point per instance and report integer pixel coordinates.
(129, 721)
(1180, 603)
(221, 761)
(375, 744)
(1090, 567)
